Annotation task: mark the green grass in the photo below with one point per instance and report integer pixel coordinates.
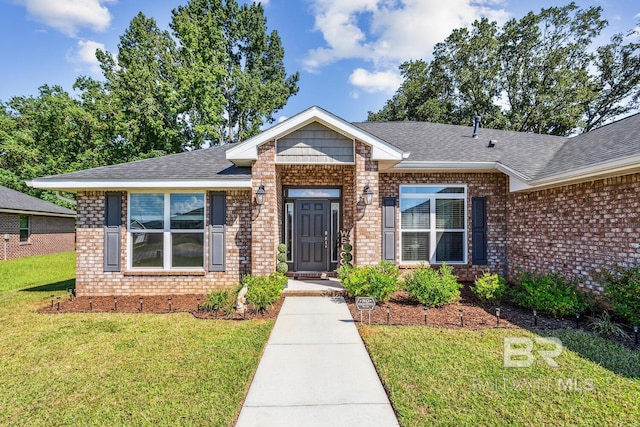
(115, 369)
(452, 377)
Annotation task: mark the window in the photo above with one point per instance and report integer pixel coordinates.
(25, 228)
(167, 230)
(288, 230)
(335, 227)
(433, 224)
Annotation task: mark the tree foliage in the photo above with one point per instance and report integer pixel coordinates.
(232, 72)
(216, 77)
(541, 73)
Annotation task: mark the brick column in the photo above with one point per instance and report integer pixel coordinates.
(264, 219)
(367, 219)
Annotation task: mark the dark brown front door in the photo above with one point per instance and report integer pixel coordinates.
(312, 233)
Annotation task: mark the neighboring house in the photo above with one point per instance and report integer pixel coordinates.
(407, 192)
(31, 226)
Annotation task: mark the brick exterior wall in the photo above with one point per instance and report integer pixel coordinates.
(49, 235)
(367, 248)
(92, 280)
(575, 229)
(265, 228)
(493, 186)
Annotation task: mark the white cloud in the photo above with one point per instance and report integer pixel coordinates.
(377, 81)
(388, 32)
(85, 56)
(67, 16)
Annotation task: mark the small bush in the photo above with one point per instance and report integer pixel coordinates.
(222, 300)
(431, 287)
(282, 267)
(378, 281)
(552, 293)
(263, 291)
(605, 326)
(490, 288)
(282, 248)
(622, 290)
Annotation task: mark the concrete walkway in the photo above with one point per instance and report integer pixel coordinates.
(315, 371)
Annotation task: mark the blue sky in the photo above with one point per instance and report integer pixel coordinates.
(347, 51)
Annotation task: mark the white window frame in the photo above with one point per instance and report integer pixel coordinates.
(433, 230)
(166, 233)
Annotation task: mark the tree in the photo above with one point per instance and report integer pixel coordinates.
(141, 82)
(44, 135)
(231, 76)
(538, 74)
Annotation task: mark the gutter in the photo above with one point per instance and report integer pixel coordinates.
(134, 184)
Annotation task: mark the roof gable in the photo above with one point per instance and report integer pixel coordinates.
(246, 152)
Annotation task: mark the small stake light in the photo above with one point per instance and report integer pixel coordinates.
(197, 303)
(70, 291)
(115, 303)
(140, 300)
(497, 316)
(461, 318)
(52, 300)
(577, 319)
(635, 332)
(169, 303)
(388, 314)
(58, 307)
(90, 304)
(535, 317)
(425, 315)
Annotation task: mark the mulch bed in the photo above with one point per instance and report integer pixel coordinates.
(160, 304)
(401, 310)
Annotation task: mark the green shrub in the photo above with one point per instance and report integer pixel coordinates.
(282, 257)
(223, 301)
(622, 290)
(490, 288)
(282, 267)
(378, 281)
(552, 293)
(605, 326)
(263, 291)
(282, 248)
(433, 287)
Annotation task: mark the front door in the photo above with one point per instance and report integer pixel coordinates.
(312, 233)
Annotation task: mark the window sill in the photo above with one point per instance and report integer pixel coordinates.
(165, 273)
(411, 265)
(24, 243)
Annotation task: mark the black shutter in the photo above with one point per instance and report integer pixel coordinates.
(217, 223)
(479, 230)
(112, 222)
(389, 229)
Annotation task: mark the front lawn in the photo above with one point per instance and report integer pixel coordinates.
(115, 369)
(456, 377)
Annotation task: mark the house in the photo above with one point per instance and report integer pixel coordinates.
(31, 226)
(406, 192)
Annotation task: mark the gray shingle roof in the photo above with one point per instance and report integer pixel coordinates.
(209, 163)
(532, 155)
(431, 142)
(16, 201)
(610, 142)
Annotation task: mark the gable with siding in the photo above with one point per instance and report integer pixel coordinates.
(315, 144)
